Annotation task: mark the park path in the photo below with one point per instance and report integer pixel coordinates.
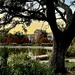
(46, 56)
(70, 59)
(46, 61)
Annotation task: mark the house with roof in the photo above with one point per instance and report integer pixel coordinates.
(38, 34)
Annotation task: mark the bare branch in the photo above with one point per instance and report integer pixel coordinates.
(6, 30)
(34, 17)
(68, 11)
(61, 14)
(7, 22)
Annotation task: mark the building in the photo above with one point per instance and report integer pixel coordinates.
(31, 37)
(50, 36)
(38, 34)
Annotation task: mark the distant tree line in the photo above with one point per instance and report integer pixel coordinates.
(19, 38)
(14, 38)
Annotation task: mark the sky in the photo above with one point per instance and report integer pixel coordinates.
(30, 29)
(68, 2)
(35, 25)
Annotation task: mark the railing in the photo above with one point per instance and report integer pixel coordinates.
(28, 47)
(35, 57)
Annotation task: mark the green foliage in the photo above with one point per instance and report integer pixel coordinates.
(28, 68)
(71, 49)
(4, 56)
(31, 68)
(6, 70)
(1, 36)
(17, 51)
(20, 64)
(70, 52)
(70, 66)
(4, 52)
(18, 58)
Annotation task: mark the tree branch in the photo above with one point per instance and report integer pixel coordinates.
(12, 26)
(52, 19)
(34, 17)
(68, 11)
(60, 14)
(71, 28)
(7, 22)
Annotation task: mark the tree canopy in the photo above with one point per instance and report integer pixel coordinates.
(24, 11)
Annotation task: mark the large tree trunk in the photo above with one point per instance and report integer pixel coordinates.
(62, 40)
(57, 58)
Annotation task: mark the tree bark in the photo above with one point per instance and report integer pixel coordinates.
(57, 58)
(68, 12)
(62, 40)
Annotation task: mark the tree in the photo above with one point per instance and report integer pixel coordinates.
(43, 40)
(1, 37)
(25, 39)
(16, 40)
(19, 35)
(5, 40)
(28, 10)
(9, 39)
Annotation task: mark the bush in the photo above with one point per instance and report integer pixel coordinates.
(31, 68)
(70, 66)
(28, 68)
(4, 56)
(18, 58)
(71, 49)
(70, 52)
(20, 64)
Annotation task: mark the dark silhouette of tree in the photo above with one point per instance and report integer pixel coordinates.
(44, 10)
(16, 40)
(9, 39)
(5, 40)
(19, 35)
(24, 40)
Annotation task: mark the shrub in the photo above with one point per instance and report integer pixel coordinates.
(70, 52)
(31, 68)
(18, 58)
(20, 64)
(24, 40)
(28, 68)
(43, 40)
(70, 66)
(71, 49)
(16, 40)
(4, 56)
